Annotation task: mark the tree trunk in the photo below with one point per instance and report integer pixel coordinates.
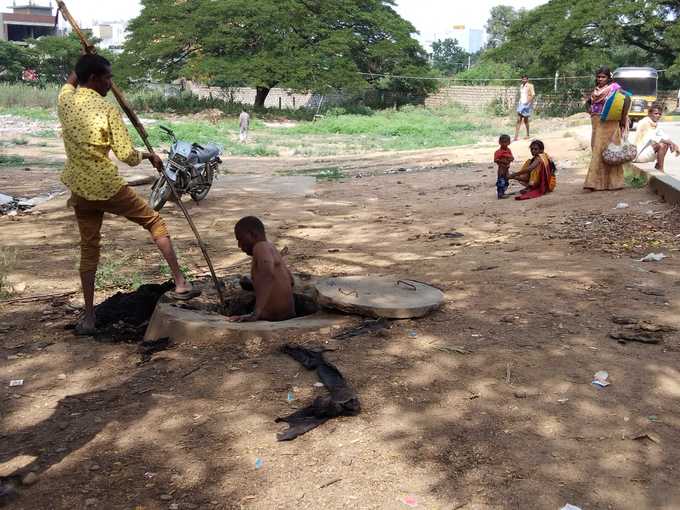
(261, 96)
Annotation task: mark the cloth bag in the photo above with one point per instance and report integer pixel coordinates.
(614, 105)
(619, 153)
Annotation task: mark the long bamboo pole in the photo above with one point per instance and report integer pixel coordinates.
(134, 119)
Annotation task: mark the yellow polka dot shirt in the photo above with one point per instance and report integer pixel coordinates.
(91, 128)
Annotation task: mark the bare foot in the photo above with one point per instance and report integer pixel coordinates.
(182, 286)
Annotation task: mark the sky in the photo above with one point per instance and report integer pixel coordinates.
(432, 18)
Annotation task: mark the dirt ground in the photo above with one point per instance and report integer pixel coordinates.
(485, 404)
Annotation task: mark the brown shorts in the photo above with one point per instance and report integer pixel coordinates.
(90, 214)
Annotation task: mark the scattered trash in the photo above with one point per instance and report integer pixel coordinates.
(148, 348)
(412, 334)
(653, 417)
(318, 384)
(621, 205)
(445, 235)
(290, 397)
(410, 501)
(562, 400)
(368, 326)
(16, 382)
(644, 337)
(259, 463)
(569, 507)
(328, 484)
(654, 438)
(29, 479)
(653, 257)
(601, 379)
(452, 349)
(485, 268)
(342, 400)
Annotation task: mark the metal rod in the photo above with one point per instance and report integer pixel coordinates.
(134, 119)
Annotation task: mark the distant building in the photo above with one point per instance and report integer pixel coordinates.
(112, 34)
(475, 40)
(27, 21)
(470, 39)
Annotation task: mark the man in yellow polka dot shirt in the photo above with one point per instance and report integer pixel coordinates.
(91, 128)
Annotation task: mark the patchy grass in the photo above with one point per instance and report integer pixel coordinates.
(634, 178)
(164, 270)
(112, 274)
(224, 134)
(332, 173)
(19, 141)
(8, 258)
(410, 128)
(45, 133)
(20, 95)
(32, 113)
(405, 129)
(11, 160)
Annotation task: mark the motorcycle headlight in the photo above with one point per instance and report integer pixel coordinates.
(179, 159)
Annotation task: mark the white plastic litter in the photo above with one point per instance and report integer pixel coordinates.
(569, 507)
(621, 205)
(654, 257)
(16, 382)
(601, 379)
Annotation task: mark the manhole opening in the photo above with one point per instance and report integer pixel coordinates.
(243, 303)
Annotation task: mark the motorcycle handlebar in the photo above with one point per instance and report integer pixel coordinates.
(168, 131)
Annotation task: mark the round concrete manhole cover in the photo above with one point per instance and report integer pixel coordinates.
(379, 296)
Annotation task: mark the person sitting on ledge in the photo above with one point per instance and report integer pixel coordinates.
(271, 279)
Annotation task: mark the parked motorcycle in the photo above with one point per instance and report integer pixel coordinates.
(190, 168)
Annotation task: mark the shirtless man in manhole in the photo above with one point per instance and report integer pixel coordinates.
(271, 279)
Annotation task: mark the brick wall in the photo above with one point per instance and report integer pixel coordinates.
(473, 97)
(276, 98)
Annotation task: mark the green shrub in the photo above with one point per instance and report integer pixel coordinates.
(8, 258)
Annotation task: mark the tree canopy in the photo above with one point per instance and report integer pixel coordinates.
(448, 57)
(13, 60)
(315, 45)
(500, 19)
(577, 36)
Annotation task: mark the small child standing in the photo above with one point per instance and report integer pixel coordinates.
(503, 157)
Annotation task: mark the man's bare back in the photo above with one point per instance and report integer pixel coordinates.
(272, 281)
(273, 284)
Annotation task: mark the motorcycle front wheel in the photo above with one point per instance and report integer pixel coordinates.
(160, 192)
(200, 192)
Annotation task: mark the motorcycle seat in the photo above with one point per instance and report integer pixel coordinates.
(204, 153)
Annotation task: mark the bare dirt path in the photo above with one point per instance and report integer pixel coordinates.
(514, 423)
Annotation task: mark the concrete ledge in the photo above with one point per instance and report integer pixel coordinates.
(661, 183)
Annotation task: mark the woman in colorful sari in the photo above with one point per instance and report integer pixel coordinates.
(602, 176)
(537, 173)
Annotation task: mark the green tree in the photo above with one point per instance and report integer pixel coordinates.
(13, 60)
(448, 57)
(314, 45)
(498, 24)
(56, 56)
(579, 35)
